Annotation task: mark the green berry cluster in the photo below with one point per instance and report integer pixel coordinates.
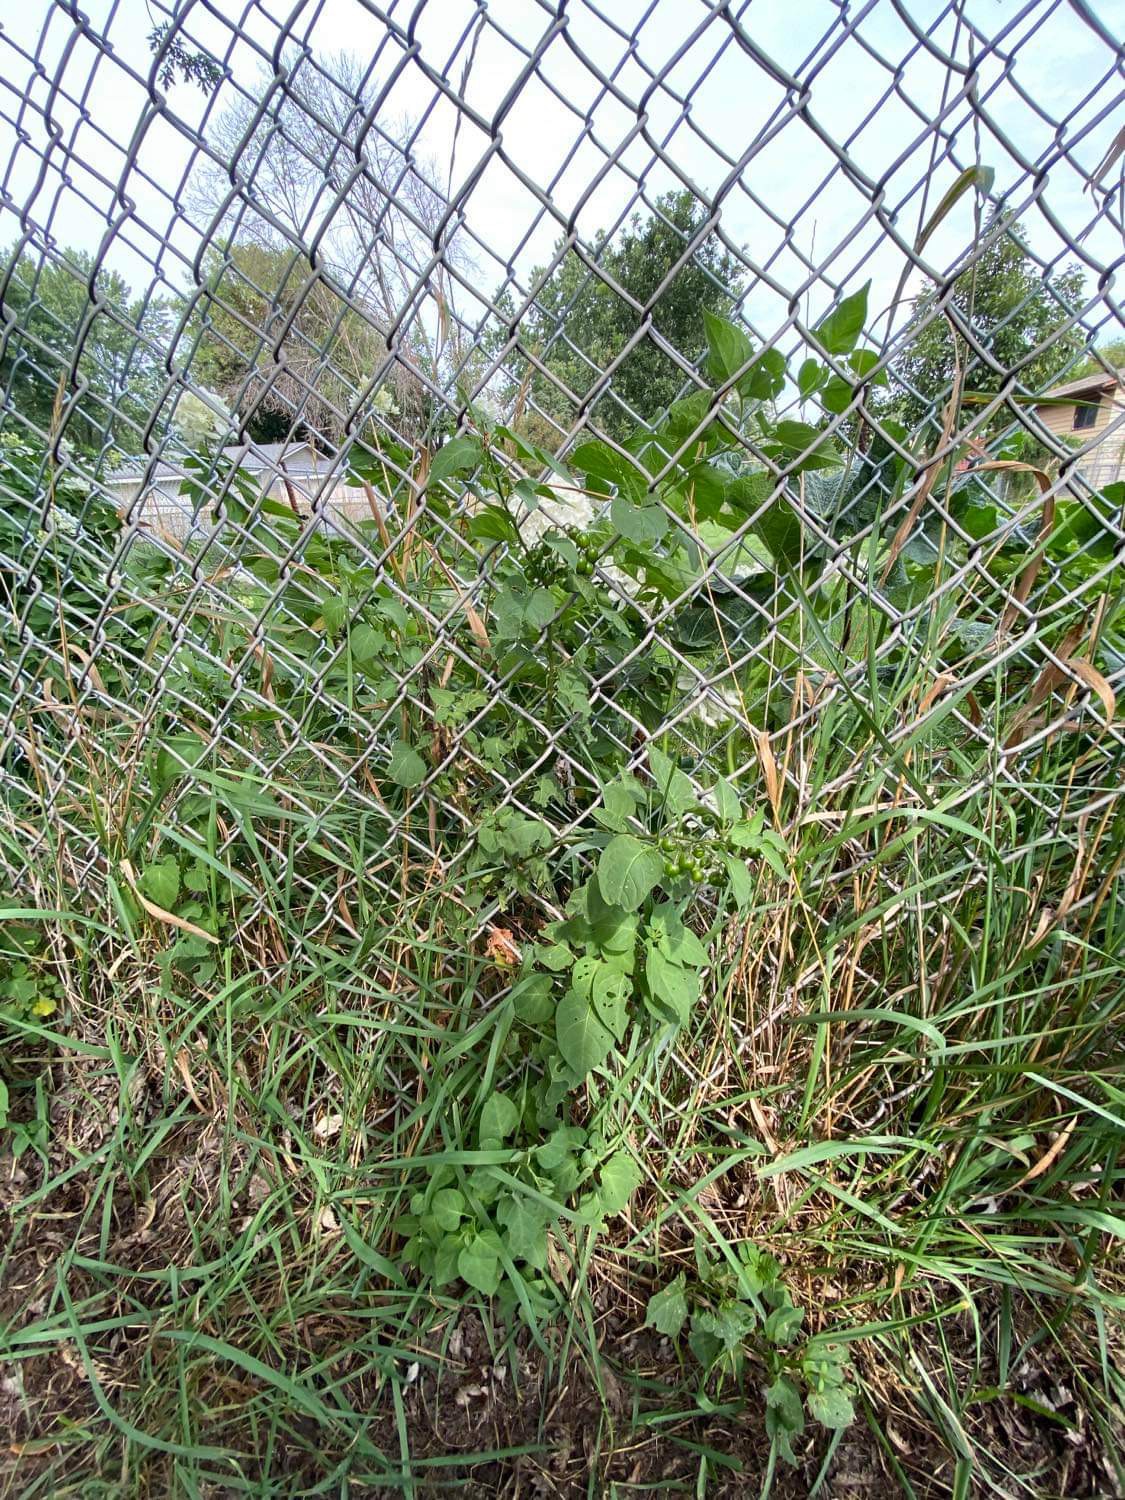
(699, 863)
(589, 550)
(543, 566)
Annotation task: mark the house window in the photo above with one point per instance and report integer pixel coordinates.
(1086, 414)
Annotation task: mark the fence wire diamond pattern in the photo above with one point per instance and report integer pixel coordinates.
(508, 389)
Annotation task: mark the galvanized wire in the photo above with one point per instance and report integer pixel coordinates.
(423, 172)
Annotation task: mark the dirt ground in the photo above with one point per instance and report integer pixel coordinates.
(470, 1421)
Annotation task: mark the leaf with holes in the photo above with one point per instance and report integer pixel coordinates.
(583, 1041)
(831, 1407)
(609, 993)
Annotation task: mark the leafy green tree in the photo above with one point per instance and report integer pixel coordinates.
(1017, 313)
(580, 324)
(281, 346)
(46, 301)
(1110, 355)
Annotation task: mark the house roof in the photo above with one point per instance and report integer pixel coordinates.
(1097, 380)
(291, 456)
(298, 460)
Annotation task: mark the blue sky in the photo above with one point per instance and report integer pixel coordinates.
(863, 76)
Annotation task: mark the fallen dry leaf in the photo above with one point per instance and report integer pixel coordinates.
(502, 947)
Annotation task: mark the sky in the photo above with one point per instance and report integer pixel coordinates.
(787, 116)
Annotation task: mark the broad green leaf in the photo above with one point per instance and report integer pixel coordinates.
(610, 991)
(178, 755)
(727, 802)
(668, 1309)
(837, 395)
(831, 1407)
(334, 613)
(782, 1324)
(810, 376)
(749, 492)
(498, 1119)
(765, 378)
(702, 488)
(612, 930)
(674, 939)
(639, 523)
(554, 956)
(558, 1145)
(366, 644)
(540, 608)
(780, 529)
(839, 332)
(798, 438)
(406, 767)
(532, 999)
(457, 456)
(730, 1322)
(620, 799)
(620, 1178)
(479, 1262)
(525, 1225)
(599, 462)
(675, 987)
(784, 1400)
(583, 1041)
(728, 348)
(493, 524)
(628, 870)
(863, 361)
(674, 789)
(447, 1208)
(160, 881)
(446, 1255)
(583, 974)
(741, 882)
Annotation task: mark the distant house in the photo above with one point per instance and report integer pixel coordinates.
(1089, 413)
(292, 473)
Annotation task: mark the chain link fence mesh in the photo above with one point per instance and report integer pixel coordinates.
(412, 413)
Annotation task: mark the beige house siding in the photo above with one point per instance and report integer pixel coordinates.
(1102, 446)
(165, 510)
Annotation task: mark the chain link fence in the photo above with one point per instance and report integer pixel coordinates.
(414, 413)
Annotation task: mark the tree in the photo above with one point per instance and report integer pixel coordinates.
(1103, 357)
(579, 324)
(283, 347)
(1015, 311)
(374, 228)
(119, 373)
